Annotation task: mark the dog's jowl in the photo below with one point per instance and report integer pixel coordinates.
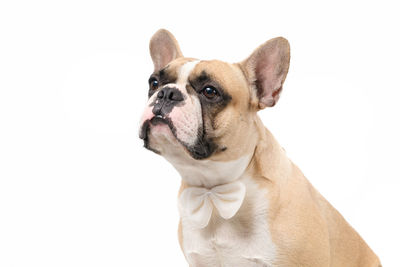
(242, 201)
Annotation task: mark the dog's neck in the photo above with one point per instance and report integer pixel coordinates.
(213, 183)
(266, 159)
(270, 160)
(209, 173)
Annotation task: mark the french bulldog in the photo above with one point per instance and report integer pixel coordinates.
(242, 202)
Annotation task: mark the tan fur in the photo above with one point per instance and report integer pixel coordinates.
(304, 227)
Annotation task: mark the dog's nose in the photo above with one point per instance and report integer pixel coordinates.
(167, 98)
(170, 93)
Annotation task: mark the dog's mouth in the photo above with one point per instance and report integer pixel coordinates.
(145, 129)
(202, 149)
(156, 120)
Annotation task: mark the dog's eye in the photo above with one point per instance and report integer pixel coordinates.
(210, 92)
(153, 83)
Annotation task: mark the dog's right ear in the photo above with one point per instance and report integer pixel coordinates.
(163, 49)
(266, 69)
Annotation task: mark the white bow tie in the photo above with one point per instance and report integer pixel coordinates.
(196, 203)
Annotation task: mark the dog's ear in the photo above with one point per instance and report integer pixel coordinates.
(163, 49)
(266, 69)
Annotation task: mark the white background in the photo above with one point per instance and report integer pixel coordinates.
(78, 189)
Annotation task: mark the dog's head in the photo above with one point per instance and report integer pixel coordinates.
(205, 109)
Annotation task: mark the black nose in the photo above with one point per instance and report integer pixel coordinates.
(170, 93)
(167, 98)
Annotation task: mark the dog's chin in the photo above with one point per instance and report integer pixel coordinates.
(159, 136)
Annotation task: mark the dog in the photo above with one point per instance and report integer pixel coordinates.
(242, 202)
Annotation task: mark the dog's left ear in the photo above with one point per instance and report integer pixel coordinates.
(266, 69)
(163, 49)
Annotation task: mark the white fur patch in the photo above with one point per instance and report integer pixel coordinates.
(209, 173)
(187, 119)
(185, 71)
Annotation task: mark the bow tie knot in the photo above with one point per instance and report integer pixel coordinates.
(196, 203)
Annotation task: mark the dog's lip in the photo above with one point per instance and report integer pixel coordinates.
(143, 134)
(156, 120)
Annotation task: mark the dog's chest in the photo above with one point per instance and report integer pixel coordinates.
(243, 240)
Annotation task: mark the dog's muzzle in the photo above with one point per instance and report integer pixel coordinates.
(167, 98)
